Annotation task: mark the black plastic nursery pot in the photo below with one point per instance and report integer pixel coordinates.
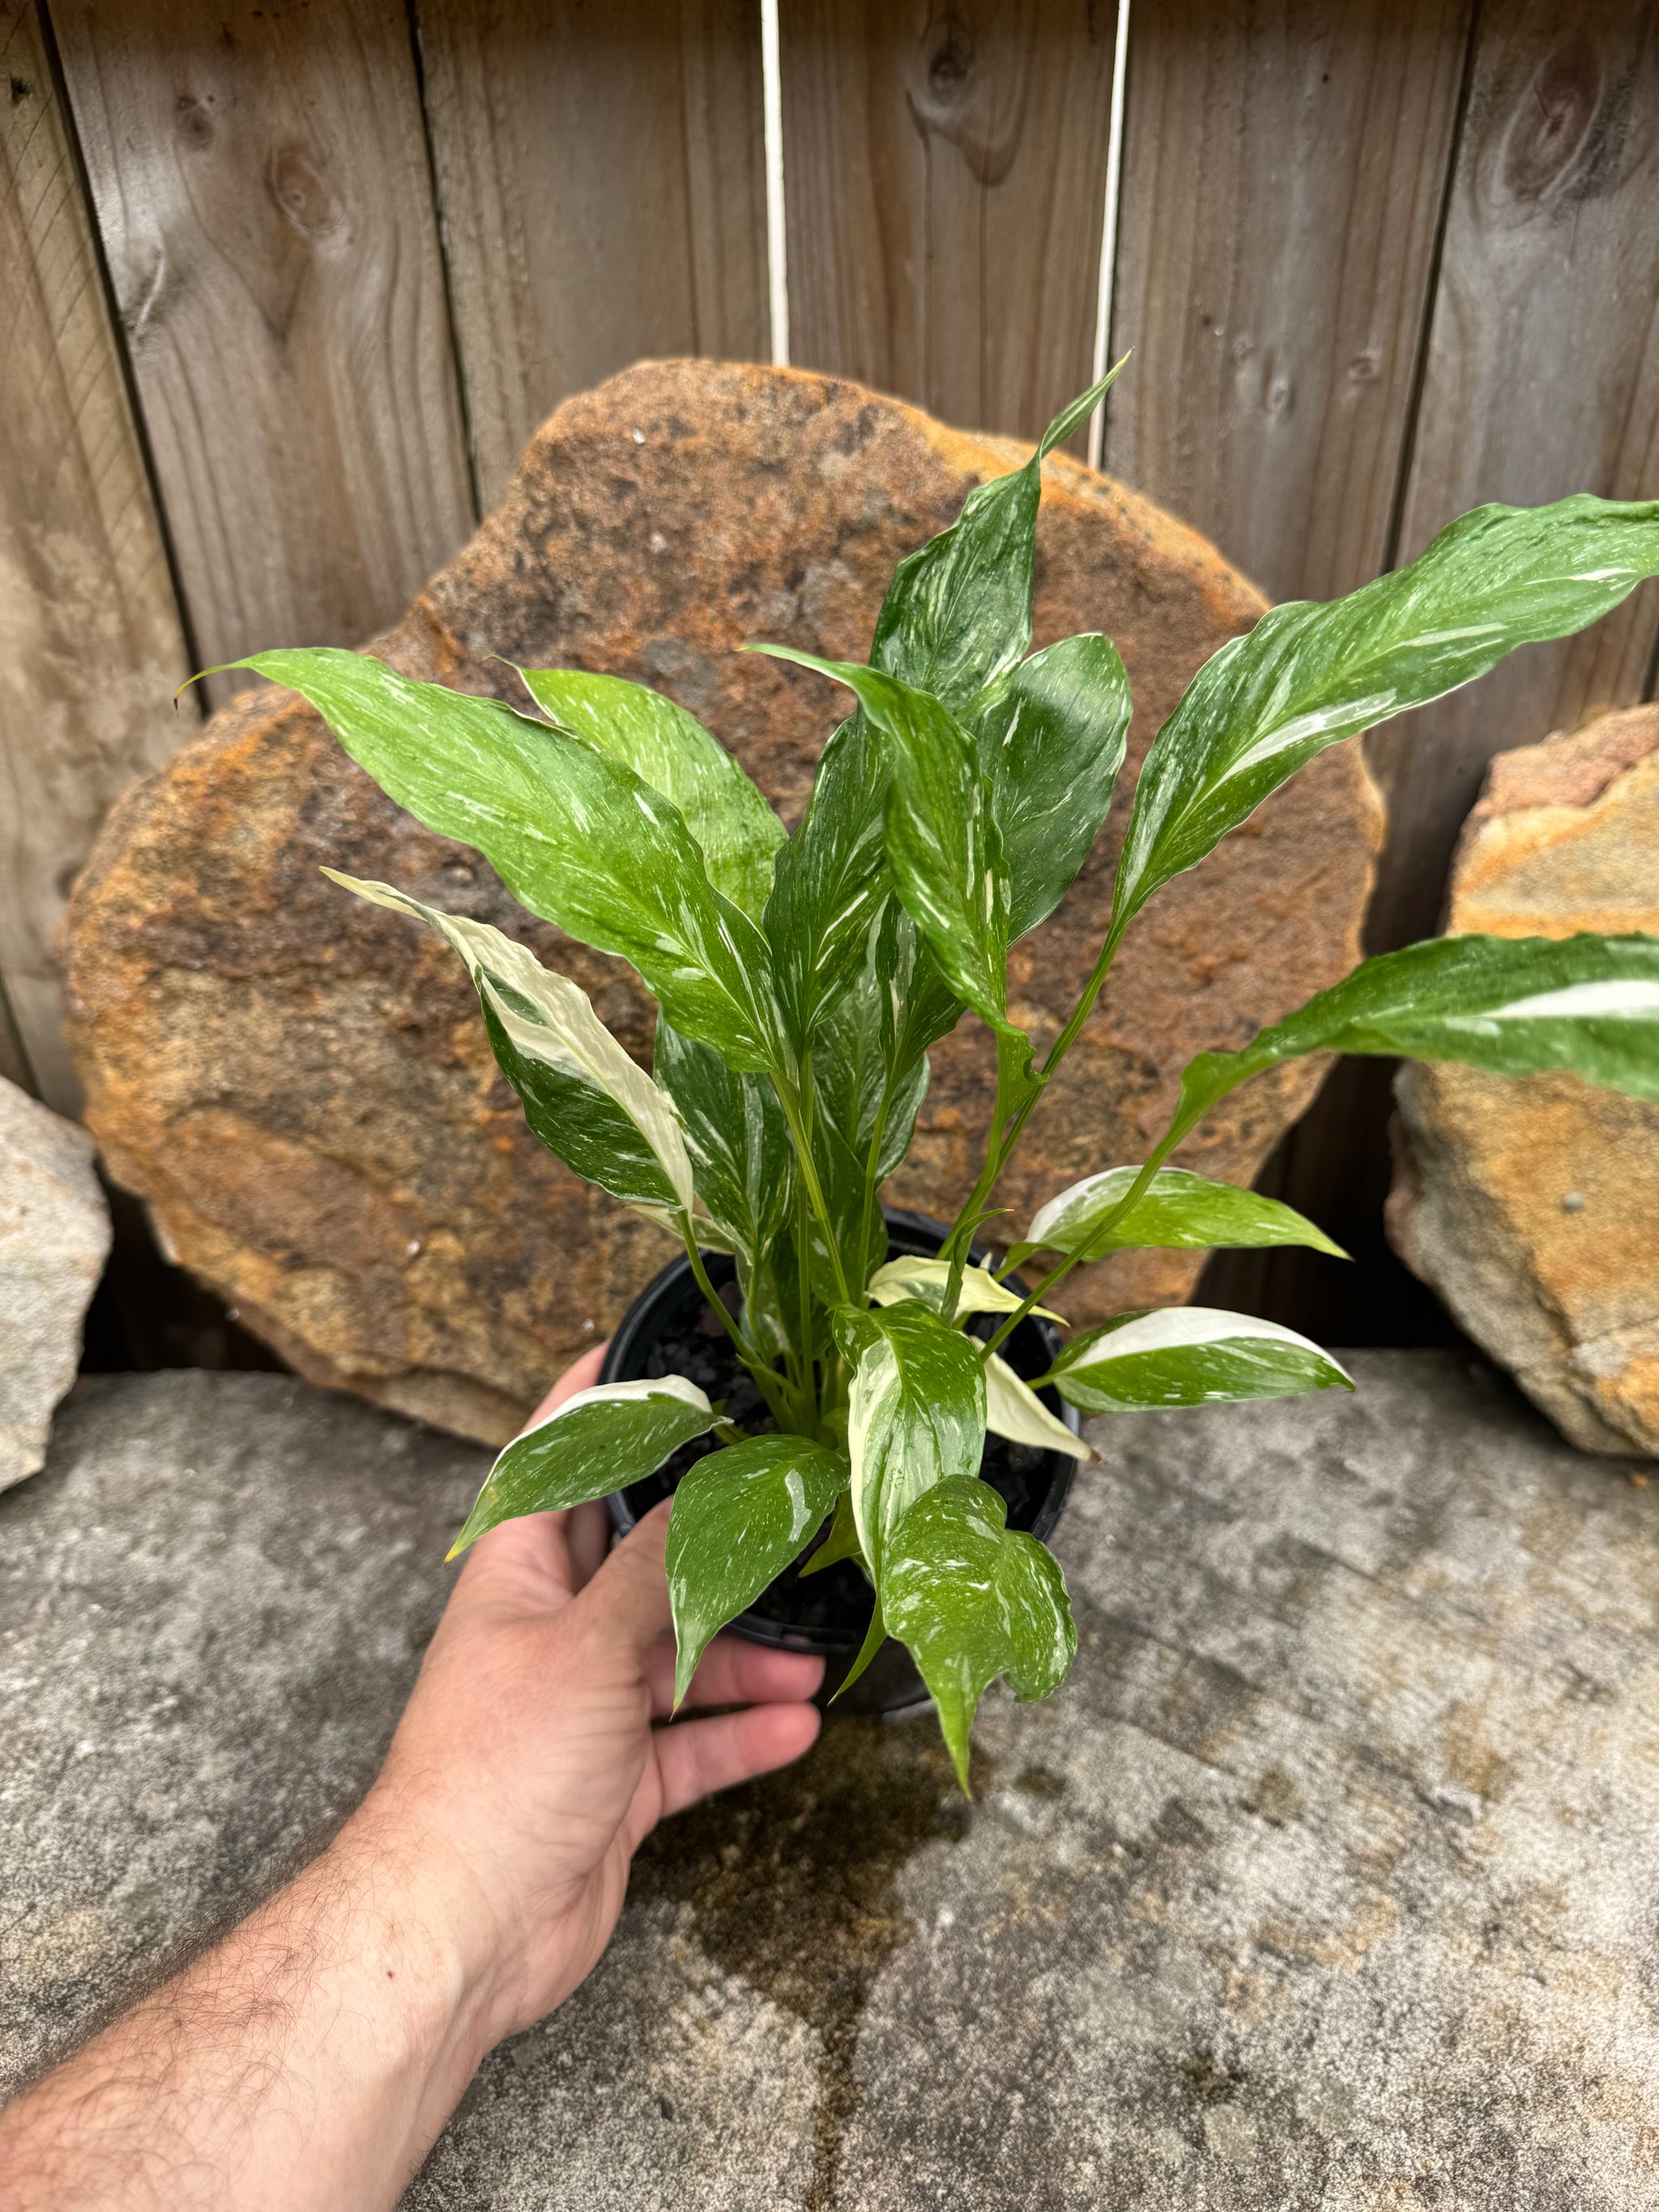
(669, 1330)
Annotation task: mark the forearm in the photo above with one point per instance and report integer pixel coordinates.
(307, 2063)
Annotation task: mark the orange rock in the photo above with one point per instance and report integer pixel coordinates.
(299, 1085)
(1533, 1206)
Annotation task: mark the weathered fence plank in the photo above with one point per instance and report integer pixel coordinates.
(1542, 378)
(90, 643)
(264, 195)
(1283, 168)
(602, 184)
(944, 177)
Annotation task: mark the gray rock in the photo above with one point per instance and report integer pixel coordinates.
(1328, 1880)
(54, 1239)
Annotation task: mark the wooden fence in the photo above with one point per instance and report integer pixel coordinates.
(286, 287)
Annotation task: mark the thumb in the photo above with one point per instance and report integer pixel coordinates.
(629, 1593)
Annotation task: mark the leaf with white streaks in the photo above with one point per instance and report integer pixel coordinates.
(575, 835)
(917, 1414)
(581, 1094)
(1188, 1355)
(1178, 1211)
(738, 1518)
(1013, 1409)
(972, 1599)
(737, 832)
(600, 1440)
(1310, 675)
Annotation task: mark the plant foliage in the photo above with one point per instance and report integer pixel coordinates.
(801, 980)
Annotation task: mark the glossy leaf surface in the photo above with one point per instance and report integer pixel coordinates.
(575, 835)
(738, 1518)
(1050, 737)
(830, 881)
(601, 1440)
(737, 832)
(582, 1095)
(1513, 1005)
(917, 1414)
(1310, 675)
(1178, 1211)
(1013, 1409)
(942, 840)
(1188, 1355)
(734, 1131)
(925, 1280)
(957, 613)
(972, 1599)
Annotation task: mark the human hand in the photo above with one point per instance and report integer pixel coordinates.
(527, 1760)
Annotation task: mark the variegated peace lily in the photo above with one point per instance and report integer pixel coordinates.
(801, 980)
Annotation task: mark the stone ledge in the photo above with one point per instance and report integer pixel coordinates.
(1328, 1880)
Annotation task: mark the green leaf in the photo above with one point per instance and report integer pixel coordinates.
(1310, 675)
(874, 1637)
(1513, 1005)
(599, 1441)
(942, 840)
(916, 1415)
(668, 749)
(925, 1280)
(830, 881)
(738, 1142)
(957, 613)
(1013, 1409)
(1178, 1211)
(582, 1095)
(1188, 1355)
(575, 835)
(841, 1543)
(738, 1518)
(972, 1599)
(1050, 736)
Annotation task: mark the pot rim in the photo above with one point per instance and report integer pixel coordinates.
(667, 1286)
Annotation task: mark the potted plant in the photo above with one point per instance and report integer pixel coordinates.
(801, 980)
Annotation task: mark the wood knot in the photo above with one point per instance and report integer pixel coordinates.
(302, 194)
(1570, 127)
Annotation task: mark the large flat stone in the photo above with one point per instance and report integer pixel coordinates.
(1328, 1880)
(54, 1240)
(1533, 1206)
(301, 1086)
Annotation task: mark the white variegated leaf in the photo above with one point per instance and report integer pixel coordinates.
(599, 1440)
(1190, 1356)
(583, 1097)
(925, 1280)
(1013, 1409)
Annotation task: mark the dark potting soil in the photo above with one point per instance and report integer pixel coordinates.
(692, 1341)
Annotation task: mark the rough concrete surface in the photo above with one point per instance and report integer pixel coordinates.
(1328, 1880)
(1533, 1206)
(54, 1239)
(301, 1086)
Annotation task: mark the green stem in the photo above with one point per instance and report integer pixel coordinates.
(1094, 1245)
(799, 1137)
(806, 1379)
(1000, 1148)
(766, 1381)
(871, 1163)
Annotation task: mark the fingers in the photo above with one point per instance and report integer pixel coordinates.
(628, 1597)
(734, 1673)
(581, 1375)
(695, 1758)
(588, 1531)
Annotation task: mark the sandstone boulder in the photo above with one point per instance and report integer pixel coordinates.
(54, 1239)
(299, 1085)
(1326, 1884)
(1533, 1206)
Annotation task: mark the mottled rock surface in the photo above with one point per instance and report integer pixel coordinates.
(301, 1085)
(1328, 1882)
(54, 1239)
(1533, 1206)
